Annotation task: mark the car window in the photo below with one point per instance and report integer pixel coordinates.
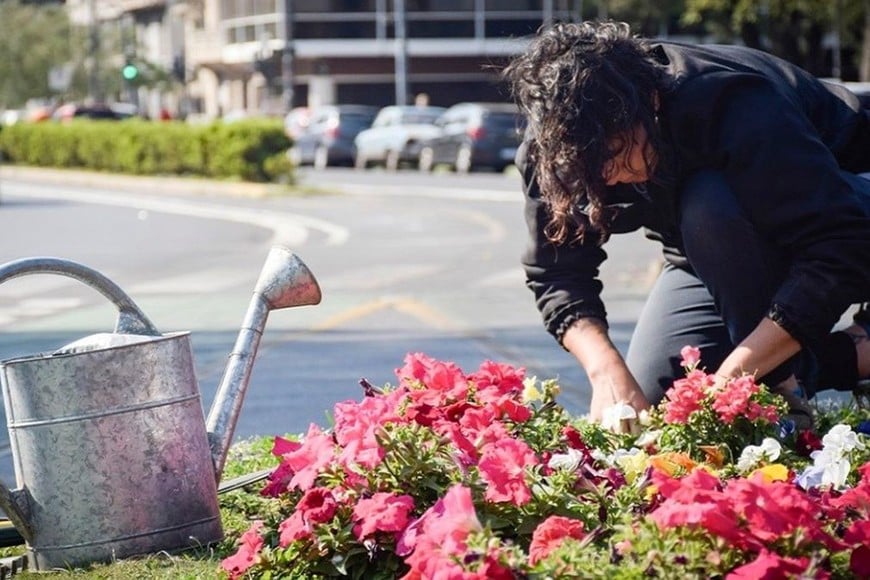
(356, 120)
(419, 117)
(503, 120)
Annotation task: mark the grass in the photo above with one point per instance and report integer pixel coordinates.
(203, 563)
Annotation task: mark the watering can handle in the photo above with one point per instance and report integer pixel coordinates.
(131, 320)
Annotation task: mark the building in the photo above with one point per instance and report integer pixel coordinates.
(239, 57)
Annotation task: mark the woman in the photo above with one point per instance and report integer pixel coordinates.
(743, 166)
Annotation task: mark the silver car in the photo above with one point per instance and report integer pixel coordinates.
(395, 136)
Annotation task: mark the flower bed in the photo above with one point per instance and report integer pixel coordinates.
(483, 475)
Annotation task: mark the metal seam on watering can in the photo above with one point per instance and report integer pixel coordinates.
(117, 411)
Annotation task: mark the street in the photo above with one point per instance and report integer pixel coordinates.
(406, 263)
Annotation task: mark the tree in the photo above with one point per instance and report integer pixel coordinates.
(33, 39)
(792, 29)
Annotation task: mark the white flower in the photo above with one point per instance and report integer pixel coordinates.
(569, 461)
(613, 416)
(831, 464)
(752, 455)
(841, 440)
(648, 437)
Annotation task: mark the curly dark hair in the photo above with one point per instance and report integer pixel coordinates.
(581, 85)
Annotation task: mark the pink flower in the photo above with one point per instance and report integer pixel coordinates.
(686, 397)
(357, 426)
(438, 537)
(317, 506)
(503, 467)
(383, 512)
(248, 553)
(431, 381)
(550, 534)
(772, 566)
(735, 400)
(690, 356)
(494, 381)
(316, 452)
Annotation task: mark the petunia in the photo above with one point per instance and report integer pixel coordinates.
(383, 512)
(248, 553)
(503, 466)
(550, 534)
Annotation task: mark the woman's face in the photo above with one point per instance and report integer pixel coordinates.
(629, 161)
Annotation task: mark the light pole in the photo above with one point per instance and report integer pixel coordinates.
(287, 58)
(401, 53)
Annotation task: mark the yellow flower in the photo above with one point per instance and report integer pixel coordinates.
(773, 472)
(530, 390)
(633, 465)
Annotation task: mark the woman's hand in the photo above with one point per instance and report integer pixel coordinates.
(612, 383)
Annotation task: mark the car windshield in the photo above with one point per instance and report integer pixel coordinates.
(503, 120)
(356, 120)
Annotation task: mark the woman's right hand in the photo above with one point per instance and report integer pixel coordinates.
(612, 382)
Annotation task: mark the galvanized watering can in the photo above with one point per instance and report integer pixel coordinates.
(112, 454)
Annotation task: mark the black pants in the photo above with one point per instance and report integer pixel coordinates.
(717, 303)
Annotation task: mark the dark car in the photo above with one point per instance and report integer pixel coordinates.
(328, 139)
(472, 136)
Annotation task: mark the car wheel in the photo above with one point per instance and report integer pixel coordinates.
(321, 158)
(391, 162)
(427, 160)
(463, 159)
(360, 161)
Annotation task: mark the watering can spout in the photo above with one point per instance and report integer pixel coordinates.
(284, 281)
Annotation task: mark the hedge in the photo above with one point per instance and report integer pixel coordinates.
(251, 150)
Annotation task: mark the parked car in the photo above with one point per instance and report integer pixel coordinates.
(395, 136)
(328, 139)
(296, 122)
(97, 111)
(474, 135)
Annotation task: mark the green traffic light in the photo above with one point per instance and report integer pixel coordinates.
(130, 72)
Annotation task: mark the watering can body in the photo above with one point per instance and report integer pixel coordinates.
(113, 455)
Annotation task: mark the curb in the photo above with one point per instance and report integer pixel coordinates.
(151, 184)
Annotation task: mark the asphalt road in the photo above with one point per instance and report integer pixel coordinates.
(406, 263)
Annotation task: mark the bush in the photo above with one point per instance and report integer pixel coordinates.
(247, 150)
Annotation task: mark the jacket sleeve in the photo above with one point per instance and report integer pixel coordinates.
(790, 186)
(563, 278)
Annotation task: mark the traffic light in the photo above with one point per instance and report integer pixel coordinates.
(130, 72)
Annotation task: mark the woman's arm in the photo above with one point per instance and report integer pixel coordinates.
(766, 347)
(611, 381)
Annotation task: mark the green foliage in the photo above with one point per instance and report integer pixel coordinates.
(247, 150)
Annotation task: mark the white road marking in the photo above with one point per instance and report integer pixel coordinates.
(288, 228)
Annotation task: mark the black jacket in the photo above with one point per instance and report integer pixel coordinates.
(781, 139)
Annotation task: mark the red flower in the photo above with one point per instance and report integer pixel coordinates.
(248, 553)
(317, 505)
(383, 512)
(806, 442)
(859, 562)
(503, 466)
(550, 534)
